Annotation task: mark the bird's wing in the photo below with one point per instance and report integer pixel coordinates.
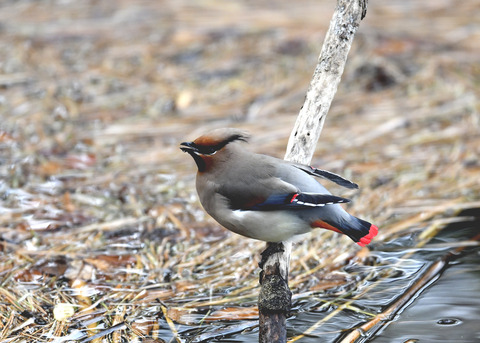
(327, 175)
(274, 185)
(273, 193)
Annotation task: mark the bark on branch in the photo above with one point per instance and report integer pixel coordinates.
(275, 296)
(325, 80)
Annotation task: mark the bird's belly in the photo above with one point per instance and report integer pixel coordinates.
(268, 226)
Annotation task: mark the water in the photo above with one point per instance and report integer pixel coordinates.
(447, 309)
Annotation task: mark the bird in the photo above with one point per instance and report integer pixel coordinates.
(267, 198)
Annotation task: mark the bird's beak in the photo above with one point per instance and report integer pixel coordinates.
(188, 147)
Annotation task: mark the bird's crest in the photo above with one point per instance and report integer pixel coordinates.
(214, 141)
(221, 137)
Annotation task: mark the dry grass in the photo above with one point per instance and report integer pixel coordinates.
(98, 218)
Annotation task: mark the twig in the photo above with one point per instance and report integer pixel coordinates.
(275, 296)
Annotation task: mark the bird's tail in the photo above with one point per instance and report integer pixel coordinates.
(359, 230)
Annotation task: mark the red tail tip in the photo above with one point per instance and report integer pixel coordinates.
(368, 237)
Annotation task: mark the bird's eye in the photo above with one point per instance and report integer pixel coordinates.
(208, 150)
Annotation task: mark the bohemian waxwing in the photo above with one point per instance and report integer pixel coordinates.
(266, 198)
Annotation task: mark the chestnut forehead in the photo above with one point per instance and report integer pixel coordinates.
(209, 140)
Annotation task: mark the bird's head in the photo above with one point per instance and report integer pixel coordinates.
(204, 148)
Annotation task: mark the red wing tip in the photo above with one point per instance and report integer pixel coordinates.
(368, 237)
(294, 197)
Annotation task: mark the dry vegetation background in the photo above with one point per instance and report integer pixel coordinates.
(97, 203)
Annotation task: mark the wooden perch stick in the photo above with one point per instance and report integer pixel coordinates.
(275, 297)
(325, 80)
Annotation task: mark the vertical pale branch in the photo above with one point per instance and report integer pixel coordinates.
(325, 80)
(275, 296)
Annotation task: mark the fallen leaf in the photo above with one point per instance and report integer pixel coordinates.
(63, 311)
